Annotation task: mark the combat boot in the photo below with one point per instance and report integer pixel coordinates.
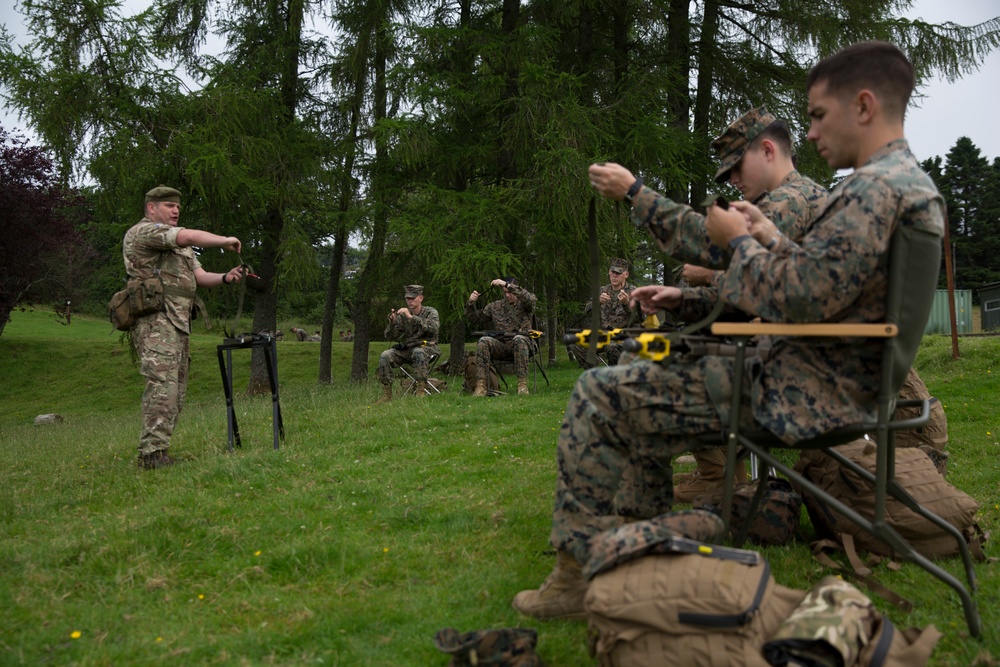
(560, 595)
(386, 394)
(707, 482)
(480, 388)
(158, 459)
(522, 386)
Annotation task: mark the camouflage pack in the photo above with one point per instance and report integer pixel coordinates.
(836, 624)
(916, 475)
(776, 519)
(503, 647)
(471, 375)
(714, 607)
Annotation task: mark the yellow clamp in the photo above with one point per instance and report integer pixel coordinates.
(655, 347)
(582, 338)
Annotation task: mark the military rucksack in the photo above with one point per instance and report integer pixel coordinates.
(471, 371)
(915, 474)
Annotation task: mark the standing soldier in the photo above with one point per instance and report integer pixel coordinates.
(510, 315)
(614, 312)
(156, 246)
(416, 329)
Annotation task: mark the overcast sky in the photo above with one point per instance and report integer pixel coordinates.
(969, 107)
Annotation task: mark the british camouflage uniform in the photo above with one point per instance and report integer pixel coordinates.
(161, 340)
(417, 341)
(625, 416)
(508, 318)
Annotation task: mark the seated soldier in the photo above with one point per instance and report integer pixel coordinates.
(416, 329)
(614, 313)
(511, 318)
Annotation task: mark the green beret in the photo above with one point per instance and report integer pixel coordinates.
(163, 193)
(737, 138)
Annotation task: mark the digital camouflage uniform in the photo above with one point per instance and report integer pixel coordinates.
(161, 339)
(509, 318)
(614, 315)
(627, 416)
(417, 336)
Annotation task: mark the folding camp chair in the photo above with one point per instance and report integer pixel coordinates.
(430, 389)
(914, 259)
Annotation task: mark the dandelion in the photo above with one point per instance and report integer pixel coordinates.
(75, 634)
(159, 639)
(385, 550)
(256, 553)
(201, 596)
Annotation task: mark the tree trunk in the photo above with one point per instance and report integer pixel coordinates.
(265, 302)
(330, 306)
(456, 354)
(703, 93)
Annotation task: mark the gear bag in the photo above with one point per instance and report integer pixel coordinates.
(706, 607)
(916, 475)
(492, 379)
(776, 519)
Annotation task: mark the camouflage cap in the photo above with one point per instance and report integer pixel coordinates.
(163, 193)
(619, 265)
(503, 647)
(734, 142)
(412, 291)
(642, 538)
(510, 280)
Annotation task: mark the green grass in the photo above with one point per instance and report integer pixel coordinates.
(369, 529)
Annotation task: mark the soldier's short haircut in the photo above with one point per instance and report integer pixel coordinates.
(878, 66)
(779, 133)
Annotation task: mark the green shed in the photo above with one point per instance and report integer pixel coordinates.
(989, 304)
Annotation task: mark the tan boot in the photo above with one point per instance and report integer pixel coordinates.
(386, 394)
(706, 479)
(522, 386)
(480, 388)
(560, 595)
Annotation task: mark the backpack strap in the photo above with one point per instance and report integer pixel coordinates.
(860, 571)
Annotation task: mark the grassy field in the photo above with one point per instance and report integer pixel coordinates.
(369, 529)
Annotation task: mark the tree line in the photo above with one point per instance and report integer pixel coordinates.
(449, 140)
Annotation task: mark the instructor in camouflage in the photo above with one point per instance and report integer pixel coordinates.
(157, 246)
(416, 329)
(510, 315)
(643, 411)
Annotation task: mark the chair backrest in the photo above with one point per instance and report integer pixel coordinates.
(914, 262)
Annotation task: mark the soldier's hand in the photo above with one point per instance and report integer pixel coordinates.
(761, 228)
(652, 298)
(725, 225)
(696, 275)
(610, 180)
(404, 312)
(234, 275)
(605, 297)
(473, 296)
(232, 243)
(499, 282)
(392, 315)
(623, 296)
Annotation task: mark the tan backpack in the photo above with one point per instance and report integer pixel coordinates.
(492, 380)
(916, 474)
(709, 609)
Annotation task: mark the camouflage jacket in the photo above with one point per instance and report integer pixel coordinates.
(422, 327)
(147, 243)
(505, 316)
(837, 273)
(614, 313)
(792, 206)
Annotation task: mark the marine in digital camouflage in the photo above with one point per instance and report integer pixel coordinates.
(625, 416)
(614, 315)
(829, 628)
(504, 647)
(417, 338)
(502, 315)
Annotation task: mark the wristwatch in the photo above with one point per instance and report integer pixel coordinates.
(633, 191)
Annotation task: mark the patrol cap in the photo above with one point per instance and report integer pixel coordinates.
(734, 142)
(413, 291)
(641, 538)
(510, 280)
(619, 265)
(163, 193)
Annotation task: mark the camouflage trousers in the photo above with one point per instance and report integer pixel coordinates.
(518, 350)
(632, 420)
(164, 360)
(418, 357)
(610, 353)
